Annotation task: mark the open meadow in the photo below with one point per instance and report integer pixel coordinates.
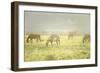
(68, 49)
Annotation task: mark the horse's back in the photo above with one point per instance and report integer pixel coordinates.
(54, 36)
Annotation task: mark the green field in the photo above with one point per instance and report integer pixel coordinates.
(67, 50)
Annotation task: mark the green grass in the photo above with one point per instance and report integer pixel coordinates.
(67, 50)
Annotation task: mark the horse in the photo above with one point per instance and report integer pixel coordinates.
(33, 36)
(71, 35)
(53, 38)
(86, 38)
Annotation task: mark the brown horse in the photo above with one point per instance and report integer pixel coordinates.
(86, 38)
(53, 38)
(33, 36)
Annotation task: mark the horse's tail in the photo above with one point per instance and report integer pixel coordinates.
(27, 40)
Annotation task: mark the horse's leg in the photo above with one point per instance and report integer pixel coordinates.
(27, 40)
(88, 40)
(83, 41)
(59, 42)
(56, 42)
(68, 37)
(51, 43)
(31, 40)
(37, 40)
(47, 43)
(72, 37)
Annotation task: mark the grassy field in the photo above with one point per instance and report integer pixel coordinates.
(67, 50)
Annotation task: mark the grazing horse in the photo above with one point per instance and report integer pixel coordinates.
(71, 35)
(53, 38)
(33, 36)
(86, 38)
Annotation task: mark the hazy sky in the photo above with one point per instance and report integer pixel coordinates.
(56, 22)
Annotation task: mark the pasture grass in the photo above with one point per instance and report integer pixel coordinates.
(67, 50)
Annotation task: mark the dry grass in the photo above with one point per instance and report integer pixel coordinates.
(67, 50)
